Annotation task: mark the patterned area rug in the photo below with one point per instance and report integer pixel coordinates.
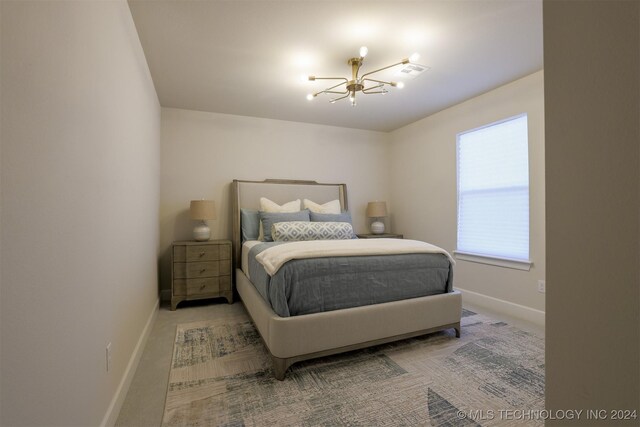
(492, 375)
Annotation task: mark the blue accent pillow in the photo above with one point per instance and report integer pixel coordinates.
(270, 218)
(250, 224)
(325, 217)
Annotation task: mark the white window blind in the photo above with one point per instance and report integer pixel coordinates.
(493, 190)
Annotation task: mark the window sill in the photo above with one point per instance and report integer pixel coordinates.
(489, 260)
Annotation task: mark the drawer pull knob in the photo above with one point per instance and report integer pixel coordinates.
(201, 254)
(203, 270)
(202, 287)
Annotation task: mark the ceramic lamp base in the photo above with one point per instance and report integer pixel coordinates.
(377, 227)
(201, 232)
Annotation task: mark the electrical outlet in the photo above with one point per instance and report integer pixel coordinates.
(108, 357)
(541, 286)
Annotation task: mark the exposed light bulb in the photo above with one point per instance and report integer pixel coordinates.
(304, 78)
(363, 51)
(414, 57)
(400, 85)
(333, 101)
(310, 97)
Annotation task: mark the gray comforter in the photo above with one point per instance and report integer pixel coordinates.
(304, 286)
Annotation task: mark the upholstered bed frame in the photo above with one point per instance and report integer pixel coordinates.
(293, 339)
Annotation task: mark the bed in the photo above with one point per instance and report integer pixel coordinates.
(295, 337)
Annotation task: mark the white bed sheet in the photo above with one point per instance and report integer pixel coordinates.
(246, 247)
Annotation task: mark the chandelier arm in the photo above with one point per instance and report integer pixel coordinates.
(328, 90)
(331, 78)
(335, 91)
(371, 93)
(368, 89)
(382, 82)
(339, 84)
(338, 99)
(404, 61)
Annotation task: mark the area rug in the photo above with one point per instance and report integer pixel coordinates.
(493, 375)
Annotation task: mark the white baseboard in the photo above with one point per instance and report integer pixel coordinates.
(501, 306)
(113, 411)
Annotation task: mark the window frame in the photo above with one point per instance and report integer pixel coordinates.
(499, 261)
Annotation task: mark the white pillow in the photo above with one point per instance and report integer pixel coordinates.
(332, 207)
(267, 205)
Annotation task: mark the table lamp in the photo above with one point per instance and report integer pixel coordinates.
(202, 210)
(377, 210)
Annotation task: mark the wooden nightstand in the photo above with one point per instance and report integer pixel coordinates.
(380, 236)
(200, 270)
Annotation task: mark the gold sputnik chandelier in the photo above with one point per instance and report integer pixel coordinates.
(348, 88)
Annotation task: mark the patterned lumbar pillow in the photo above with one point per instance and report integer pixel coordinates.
(300, 231)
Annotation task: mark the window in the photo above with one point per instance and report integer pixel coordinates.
(493, 194)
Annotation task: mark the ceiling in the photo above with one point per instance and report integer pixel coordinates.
(247, 57)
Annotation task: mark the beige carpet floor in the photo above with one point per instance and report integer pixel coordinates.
(493, 375)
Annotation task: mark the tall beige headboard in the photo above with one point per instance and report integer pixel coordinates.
(246, 195)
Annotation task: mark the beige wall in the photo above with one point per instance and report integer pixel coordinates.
(203, 152)
(592, 102)
(423, 185)
(80, 197)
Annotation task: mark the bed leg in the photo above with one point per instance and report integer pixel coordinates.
(280, 367)
(457, 328)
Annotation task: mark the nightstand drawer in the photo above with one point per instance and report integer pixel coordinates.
(225, 283)
(196, 287)
(203, 286)
(203, 253)
(196, 253)
(194, 270)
